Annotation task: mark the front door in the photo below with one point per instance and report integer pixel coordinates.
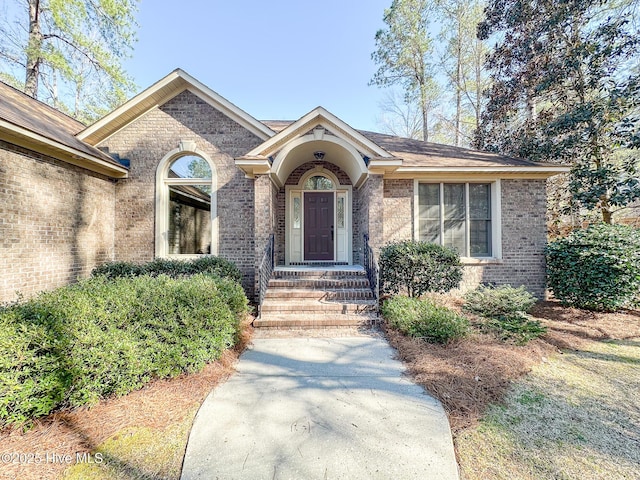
(318, 226)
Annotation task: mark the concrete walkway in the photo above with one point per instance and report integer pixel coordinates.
(320, 408)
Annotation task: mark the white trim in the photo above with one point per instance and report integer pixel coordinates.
(183, 81)
(319, 117)
(162, 199)
(357, 173)
(496, 215)
(77, 157)
(298, 190)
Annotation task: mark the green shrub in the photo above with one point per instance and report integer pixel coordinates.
(597, 268)
(209, 265)
(504, 300)
(519, 327)
(99, 338)
(504, 309)
(424, 319)
(418, 267)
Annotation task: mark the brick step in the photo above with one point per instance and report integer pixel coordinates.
(319, 283)
(320, 294)
(317, 306)
(319, 274)
(295, 320)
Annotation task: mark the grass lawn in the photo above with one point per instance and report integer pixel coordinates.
(563, 407)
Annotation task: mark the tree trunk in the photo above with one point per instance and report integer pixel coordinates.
(458, 83)
(425, 122)
(33, 50)
(605, 208)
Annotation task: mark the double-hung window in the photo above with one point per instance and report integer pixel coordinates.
(457, 215)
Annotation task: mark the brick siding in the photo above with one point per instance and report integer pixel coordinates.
(147, 140)
(524, 233)
(56, 222)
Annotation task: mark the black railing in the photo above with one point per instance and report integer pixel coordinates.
(265, 269)
(372, 269)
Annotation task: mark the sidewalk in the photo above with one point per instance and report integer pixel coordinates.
(320, 408)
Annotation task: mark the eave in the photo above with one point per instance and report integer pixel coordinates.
(532, 172)
(33, 141)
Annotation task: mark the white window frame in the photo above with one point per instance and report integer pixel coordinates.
(185, 148)
(496, 213)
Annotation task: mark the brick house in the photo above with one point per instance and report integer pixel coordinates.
(179, 171)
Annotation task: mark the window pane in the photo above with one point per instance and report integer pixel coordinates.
(190, 219)
(297, 220)
(480, 232)
(479, 201)
(318, 182)
(455, 217)
(190, 166)
(454, 235)
(480, 214)
(429, 212)
(454, 205)
(430, 231)
(340, 212)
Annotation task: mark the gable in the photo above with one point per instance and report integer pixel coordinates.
(159, 94)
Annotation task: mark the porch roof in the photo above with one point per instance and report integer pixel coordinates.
(412, 157)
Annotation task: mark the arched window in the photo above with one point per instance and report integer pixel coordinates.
(186, 220)
(319, 182)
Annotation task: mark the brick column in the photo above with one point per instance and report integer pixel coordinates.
(375, 192)
(263, 221)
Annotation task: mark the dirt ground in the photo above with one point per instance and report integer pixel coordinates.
(79, 431)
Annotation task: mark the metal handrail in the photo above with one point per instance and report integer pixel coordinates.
(372, 269)
(265, 270)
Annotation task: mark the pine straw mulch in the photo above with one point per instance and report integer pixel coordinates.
(155, 406)
(469, 375)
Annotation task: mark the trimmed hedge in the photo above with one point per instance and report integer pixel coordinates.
(418, 267)
(424, 319)
(597, 268)
(100, 338)
(209, 265)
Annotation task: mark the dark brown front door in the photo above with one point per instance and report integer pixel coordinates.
(318, 226)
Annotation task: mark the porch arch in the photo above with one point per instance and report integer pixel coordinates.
(334, 149)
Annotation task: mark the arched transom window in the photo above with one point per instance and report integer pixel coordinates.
(186, 206)
(319, 182)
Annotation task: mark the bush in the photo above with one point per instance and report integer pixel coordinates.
(505, 310)
(418, 267)
(424, 319)
(498, 301)
(597, 268)
(519, 328)
(209, 265)
(99, 338)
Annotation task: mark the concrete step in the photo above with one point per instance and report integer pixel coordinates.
(295, 320)
(284, 294)
(302, 306)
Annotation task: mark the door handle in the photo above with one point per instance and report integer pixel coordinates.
(332, 233)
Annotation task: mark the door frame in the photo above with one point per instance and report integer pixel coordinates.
(294, 236)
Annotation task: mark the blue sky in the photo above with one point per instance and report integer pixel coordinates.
(275, 60)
